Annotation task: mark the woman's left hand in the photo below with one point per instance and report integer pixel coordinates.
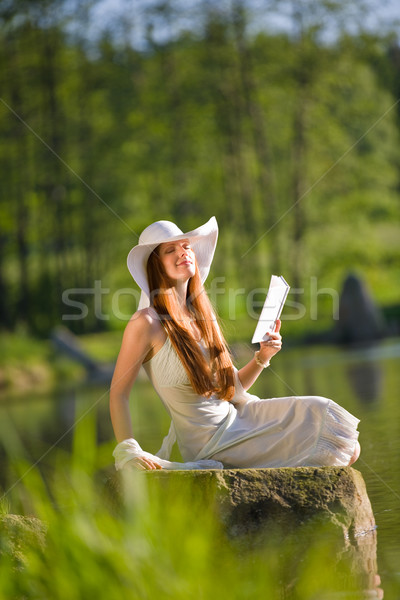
(273, 345)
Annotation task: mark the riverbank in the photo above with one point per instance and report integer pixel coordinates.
(29, 364)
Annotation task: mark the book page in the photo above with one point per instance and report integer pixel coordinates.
(273, 305)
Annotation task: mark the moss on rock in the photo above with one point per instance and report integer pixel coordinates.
(256, 505)
(248, 498)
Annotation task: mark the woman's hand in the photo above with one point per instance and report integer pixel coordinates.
(141, 463)
(272, 346)
(250, 372)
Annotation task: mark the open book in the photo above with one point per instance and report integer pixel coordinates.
(273, 305)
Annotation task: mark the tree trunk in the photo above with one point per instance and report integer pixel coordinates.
(259, 135)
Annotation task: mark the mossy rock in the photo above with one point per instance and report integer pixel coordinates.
(257, 505)
(248, 497)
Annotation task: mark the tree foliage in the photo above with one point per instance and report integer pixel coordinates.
(290, 140)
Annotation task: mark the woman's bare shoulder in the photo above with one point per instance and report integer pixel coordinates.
(144, 322)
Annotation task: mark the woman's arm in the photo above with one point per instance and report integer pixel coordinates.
(250, 372)
(136, 345)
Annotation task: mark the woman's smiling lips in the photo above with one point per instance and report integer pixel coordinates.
(184, 262)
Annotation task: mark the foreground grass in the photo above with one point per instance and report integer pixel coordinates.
(154, 547)
(149, 543)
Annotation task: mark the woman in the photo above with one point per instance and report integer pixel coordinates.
(175, 336)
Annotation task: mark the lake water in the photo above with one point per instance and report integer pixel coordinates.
(365, 381)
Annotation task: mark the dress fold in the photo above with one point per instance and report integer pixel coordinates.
(249, 431)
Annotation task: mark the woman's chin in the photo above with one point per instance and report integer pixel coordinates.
(184, 273)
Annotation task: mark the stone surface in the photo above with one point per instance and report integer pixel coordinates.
(248, 498)
(255, 504)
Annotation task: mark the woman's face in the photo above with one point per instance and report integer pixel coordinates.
(178, 260)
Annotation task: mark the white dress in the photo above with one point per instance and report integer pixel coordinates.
(248, 431)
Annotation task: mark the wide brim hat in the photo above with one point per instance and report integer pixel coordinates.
(203, 241)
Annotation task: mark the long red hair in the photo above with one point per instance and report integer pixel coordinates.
(214, 376)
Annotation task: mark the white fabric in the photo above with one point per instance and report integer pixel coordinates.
(251, 432)
(168, 442)
(128, 449)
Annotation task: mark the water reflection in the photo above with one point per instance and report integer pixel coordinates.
(65, 412)
(34, 429)
(362, 555)
(366, 380)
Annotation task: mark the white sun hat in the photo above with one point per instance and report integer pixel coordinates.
(203, 241)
